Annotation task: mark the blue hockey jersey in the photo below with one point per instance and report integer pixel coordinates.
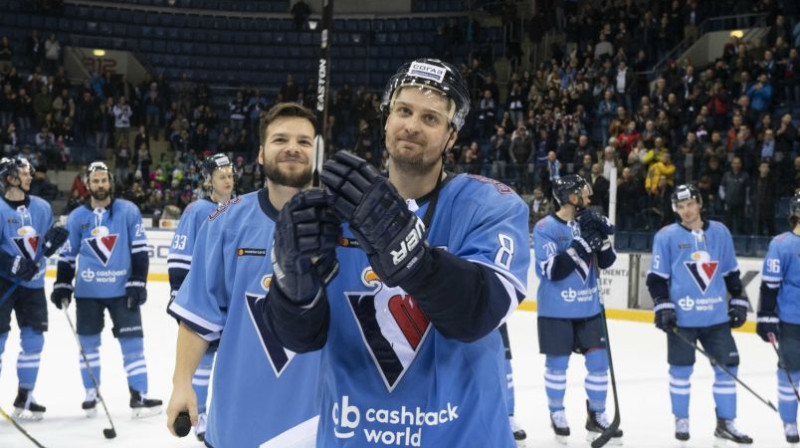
(782, 269)
(695, 263)
(22, 230)
(102, 243)
(389, 377)
(572, 297)
(179, 258)
(262, 392)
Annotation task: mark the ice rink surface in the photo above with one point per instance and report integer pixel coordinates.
(639, 357)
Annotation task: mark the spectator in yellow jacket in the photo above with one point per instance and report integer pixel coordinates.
(665, 167)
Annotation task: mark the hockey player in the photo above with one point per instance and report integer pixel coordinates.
(692, 270)
(516, 429)
(217, 172)
(107, 237)
(779, 313)
(431, 265)
(262, 393)
(23, 220)
(570, 245)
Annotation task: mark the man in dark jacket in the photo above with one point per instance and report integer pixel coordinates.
(765, 191)
(734, 191)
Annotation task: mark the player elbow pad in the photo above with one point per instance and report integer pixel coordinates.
(462, 300)
(734, 284)
(769, 297)
(658, 287)
(299, 329)
(140, 264)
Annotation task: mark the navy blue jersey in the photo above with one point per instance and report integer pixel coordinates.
(179, 259)
(695, 263)
(23, 229)
(262, 391)
(102, 244)
(389, 377)
(782, 270)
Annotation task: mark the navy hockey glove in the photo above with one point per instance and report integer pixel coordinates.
(54, 239)
(594, 220)
(61, 295)
(137, 294)
(23, 268)
(666, 319)
(304, 253)
(390, 234)
(767, 323)
(737, 311)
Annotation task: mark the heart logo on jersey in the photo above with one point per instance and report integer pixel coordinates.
(393, 328)
(278, 356)
(102, 246)
(27, 245)
(702, 272)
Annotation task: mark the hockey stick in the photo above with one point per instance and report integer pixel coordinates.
(20, 428)
(323, 84)
(108, 433)
(605, 437)
(783, 365)
(716, 363)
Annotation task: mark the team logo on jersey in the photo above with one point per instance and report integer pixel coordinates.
(278, 356)
(102, 246)
(392, 326)
(27, 242)
(702, 269)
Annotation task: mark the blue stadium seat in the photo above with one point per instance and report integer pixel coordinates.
(741, 243)
(640, 242)
(622, 241)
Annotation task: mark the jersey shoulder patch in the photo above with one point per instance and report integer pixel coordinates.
(223, 208)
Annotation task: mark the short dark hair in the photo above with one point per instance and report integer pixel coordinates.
(285, 110)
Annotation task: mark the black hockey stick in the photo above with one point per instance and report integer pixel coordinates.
(323, 85)
(108, 433)
(20, 428)
(605, 437)
(716, 363)
(783, 365)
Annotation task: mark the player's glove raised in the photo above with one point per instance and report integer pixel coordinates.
(766, 323)
(666, 319)
(304, 253)
(737, 311)
(591, 219)
(137, 294)
(54, 239)
(61, 295)
(390, 234)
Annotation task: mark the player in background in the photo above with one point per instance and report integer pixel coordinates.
(570, 245)
(519, 433)
(217, 171)
(693, 270)
(261, 391)
(24, 218)
(107, 237)
(779, 313)
(434, 262)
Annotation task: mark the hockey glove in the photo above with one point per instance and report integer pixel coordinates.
(666, 319)
(23, 268)
(590, 219)
(304, 253)
(737, 311)
(390, 234)
(767, 323)
(61, 295)
(137, 294)
(54, 239)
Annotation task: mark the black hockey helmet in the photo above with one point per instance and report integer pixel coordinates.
(433, 74)
(570, 184)
(10, 166)
(213, 163)
(685, 192)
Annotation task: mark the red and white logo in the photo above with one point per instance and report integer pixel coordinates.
(102, 246)
(702, 269)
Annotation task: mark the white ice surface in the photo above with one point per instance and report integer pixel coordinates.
(639, 356)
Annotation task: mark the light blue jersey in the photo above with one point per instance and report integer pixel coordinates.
(575, 296)
(390, 378)
(695, 263)
(262, 392)
(179, 259)
(782, 270)
(23, 229)
(101, 243)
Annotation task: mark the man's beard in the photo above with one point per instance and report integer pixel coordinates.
(292, 180)
(100, 195)
(412, 163)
